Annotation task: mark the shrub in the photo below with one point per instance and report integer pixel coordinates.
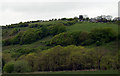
(21, 66)
(23, 24)
(66, 38)
(6, 42)
(62, 39)
(35, 25)
(79, 37)
(29, 36)
(44, 31)
(56, 29)
(102, 35)
(22, 51)
(17, 38)
(9, 67)
(14, 31)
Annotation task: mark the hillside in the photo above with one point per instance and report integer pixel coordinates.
(63, 40)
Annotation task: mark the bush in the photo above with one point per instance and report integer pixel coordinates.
(66, 38)
(22, 51)
(17, 38)
(56, 29)
(29, 36)
(79, 37)
(14, 31)
(9, 67)
(62, 39)
(102, 35)
(44, 31)
(23, 24)
(35, 25)
(21, 67)
(6, 42)
(17, 66)
(13, 40)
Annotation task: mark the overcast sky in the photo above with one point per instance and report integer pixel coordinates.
(15, 11)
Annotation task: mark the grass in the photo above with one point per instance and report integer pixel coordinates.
(83, 72)
(75, 72)
(37, 45)
(88, 26)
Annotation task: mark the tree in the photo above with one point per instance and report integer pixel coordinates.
(31, 58)
(81, 17)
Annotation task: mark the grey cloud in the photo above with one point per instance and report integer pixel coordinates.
(43, 7)
(25, 11)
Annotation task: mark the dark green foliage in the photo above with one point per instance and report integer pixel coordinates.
(88, 41)
(21, 66)
(79, 37)
(56, 29)
(33, 35)
(62, 39)
(17, 67)
(23, 24)
(32, 60)
(75, 58)
(14, 31)
(63, 18)
(69, 23)
(118, 36)
(98, 36)
(9, 67)
(61, 58)
(74, 38)
(14, 40)
(45, 31)
(29, 37)
(22, 51)
(81, 17)
(6, 42)
(45, 58)
(102, 35)
(35, 25)
(17, 38)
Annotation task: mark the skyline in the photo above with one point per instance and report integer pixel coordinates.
(12, 11)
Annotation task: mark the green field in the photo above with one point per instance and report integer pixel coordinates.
(75, 72)
(88, 26)
(80, 72)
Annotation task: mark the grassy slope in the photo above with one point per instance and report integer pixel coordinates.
(39, 45)
(85, 26)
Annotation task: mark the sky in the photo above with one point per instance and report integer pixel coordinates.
(15, 11)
